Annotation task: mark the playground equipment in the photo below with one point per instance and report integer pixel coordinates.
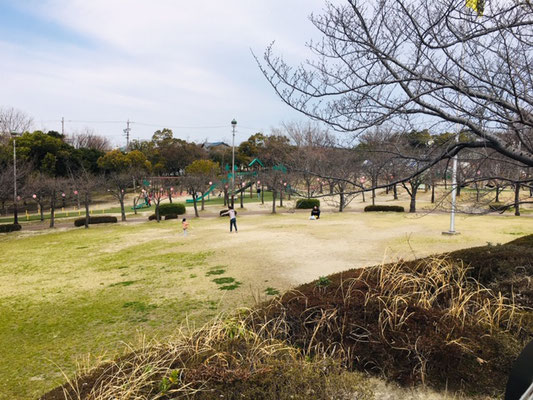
(256, 163)
(211, 188)
(144, 204)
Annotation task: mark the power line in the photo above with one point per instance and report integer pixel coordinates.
(148, 124)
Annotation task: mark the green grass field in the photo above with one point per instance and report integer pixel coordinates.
(65, 295)
(72, 212)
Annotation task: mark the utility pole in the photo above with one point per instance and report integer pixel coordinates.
(63, 126)
(127, 132)
(233, 125)
(15, 210)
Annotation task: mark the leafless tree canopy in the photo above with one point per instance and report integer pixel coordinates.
(423, 63)
(90, 140)
(13, 120)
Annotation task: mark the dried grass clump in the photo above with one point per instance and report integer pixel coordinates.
(225, 359)
(436, 284)
(419, 322)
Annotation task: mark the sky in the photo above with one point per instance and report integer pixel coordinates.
(187, 66)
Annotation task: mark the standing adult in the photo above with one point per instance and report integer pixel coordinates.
(232, 219)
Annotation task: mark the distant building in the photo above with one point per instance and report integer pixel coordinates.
(214, 145)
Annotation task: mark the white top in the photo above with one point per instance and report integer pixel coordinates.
(231, 213)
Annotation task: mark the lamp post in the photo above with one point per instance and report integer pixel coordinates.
(233, 125)
(15, 210)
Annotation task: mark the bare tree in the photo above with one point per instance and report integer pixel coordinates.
(87, 138)
(85, 185)
(13, 120)
(37, 189)
(429, 64)
(310, 146)
(344, 165)
(117, 184)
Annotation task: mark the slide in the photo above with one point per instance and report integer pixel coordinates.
(244, 187)
(213, 186)
(143, 204)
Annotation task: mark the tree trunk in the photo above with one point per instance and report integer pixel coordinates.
(387, 189)
(87, 211)
(497, 200)
(281, 198)
(412, 204)
(241, 198)
(203, 200)
(262, 194)
(458, 189)
(517, 200)
(157, 216)
(225, 197)
(363, 193)
(251, 191)
(170, 196)
(122, 209)
(41, 212)
(308, 184)
(373, 196)
(341, 198)
(274, 201)
(395, 191)
(195, 205)
(432, 193)
(15, 213)
(52, 213)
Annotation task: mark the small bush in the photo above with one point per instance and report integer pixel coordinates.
(384, 208)
(10, 228)
(171, 209)
(171, 216)
(307, 203)
(151, 217)
(104, 219)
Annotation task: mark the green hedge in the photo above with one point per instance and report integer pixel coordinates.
(384, 208)
(307, 203)
(171, 209)
(104, 219)
(10, 228)
(171, 216)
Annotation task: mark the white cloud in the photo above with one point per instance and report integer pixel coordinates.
(164, 61)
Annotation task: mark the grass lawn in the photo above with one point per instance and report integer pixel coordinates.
(68, 294)
(71, 212)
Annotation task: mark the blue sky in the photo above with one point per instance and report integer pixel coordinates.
(161, 63)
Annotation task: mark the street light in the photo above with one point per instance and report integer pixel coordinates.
(233, 125)
(15, 210)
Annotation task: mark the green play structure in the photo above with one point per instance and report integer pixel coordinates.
(211, 188)
(244, 174)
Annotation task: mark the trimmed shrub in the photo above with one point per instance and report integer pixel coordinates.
(170, 216)
(10, 228)
(104, 219)
(307, 203)
(384, 208)
(152, 217)
(171, 209)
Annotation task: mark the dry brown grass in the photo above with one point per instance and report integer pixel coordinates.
(227, 358)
